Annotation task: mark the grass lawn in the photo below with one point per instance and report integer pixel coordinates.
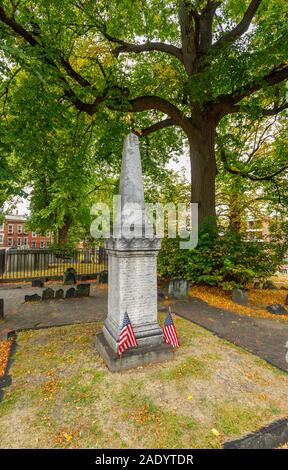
(63, 396)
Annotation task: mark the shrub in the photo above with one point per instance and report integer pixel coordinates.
(221, 260)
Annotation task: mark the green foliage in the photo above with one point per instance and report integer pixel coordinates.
(221, 260)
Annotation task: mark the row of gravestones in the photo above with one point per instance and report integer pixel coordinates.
(82, 290)
(179, 288)
(70, 278)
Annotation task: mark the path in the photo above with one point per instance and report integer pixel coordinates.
(21, 315)
(266, 338)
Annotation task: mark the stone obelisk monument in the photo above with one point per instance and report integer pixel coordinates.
(132, 284)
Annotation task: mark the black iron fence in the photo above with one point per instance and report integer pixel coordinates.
(24, 265)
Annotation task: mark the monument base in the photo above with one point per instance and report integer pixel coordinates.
(133, 357)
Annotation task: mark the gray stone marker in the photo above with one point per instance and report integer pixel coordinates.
(178, 288)
(132, 285)
(83, 290)
(1, 309)
(269, 285)
(48, 294)
(240, 296)
(277, 309)
(59, 294)
(70, 293)
(32, 298)
(70, 277)
(37, 283)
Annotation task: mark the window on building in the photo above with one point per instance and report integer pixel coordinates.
(25, 231)
(25, 241)
(34, 234)
(48, 244)
(42, 244)
(48, 234)
(251, 223)
(1, 227)
(10, 241)
(19, 241)
(10, 228)
(33, 244)
(20, 228)
(1, 239)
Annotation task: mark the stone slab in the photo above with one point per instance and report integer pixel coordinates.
(131, 358)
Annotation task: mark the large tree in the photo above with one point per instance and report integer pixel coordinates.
(182, 63)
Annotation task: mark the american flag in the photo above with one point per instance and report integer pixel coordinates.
(127, 338)
(169, 331)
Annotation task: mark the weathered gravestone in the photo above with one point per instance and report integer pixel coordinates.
(178, 288)
(83, 290)
(59, 294)
(32, 298)
(70, 277)
(240, 296)
(48, 294)
(277, 309)
(1, 309)
(37, 283)
(70, 293)
(269, 285)
(103, 277)
(132, 285)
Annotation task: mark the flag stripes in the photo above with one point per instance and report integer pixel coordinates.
(127, 338)
(170, 332)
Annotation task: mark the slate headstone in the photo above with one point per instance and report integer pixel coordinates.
(178, 288)
(37, 283)
(59, 294)
(240, 296)
(103, 277)
(70, 293)
(83, 290)
(70, 277)
(32, 298)
(48, 294)
(1, 309)
(277, 309)
(269, 285)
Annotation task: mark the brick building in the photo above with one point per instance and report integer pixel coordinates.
(14, 234)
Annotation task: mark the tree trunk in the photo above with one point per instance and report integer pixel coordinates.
(203, 169)
(63, 232)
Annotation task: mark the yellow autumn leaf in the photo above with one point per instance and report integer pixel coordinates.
(190, 397)
(215, 432)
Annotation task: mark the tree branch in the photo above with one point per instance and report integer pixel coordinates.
(241, 27)
(146, 103)
(226, 104)
(235, 171)
(155, 127)
(147, 47)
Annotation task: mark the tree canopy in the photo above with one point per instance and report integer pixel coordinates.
(159, 64)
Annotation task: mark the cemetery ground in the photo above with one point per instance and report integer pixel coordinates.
(63, 396)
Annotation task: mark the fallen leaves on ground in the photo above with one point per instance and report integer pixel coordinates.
(258, 300)
(5, 347)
